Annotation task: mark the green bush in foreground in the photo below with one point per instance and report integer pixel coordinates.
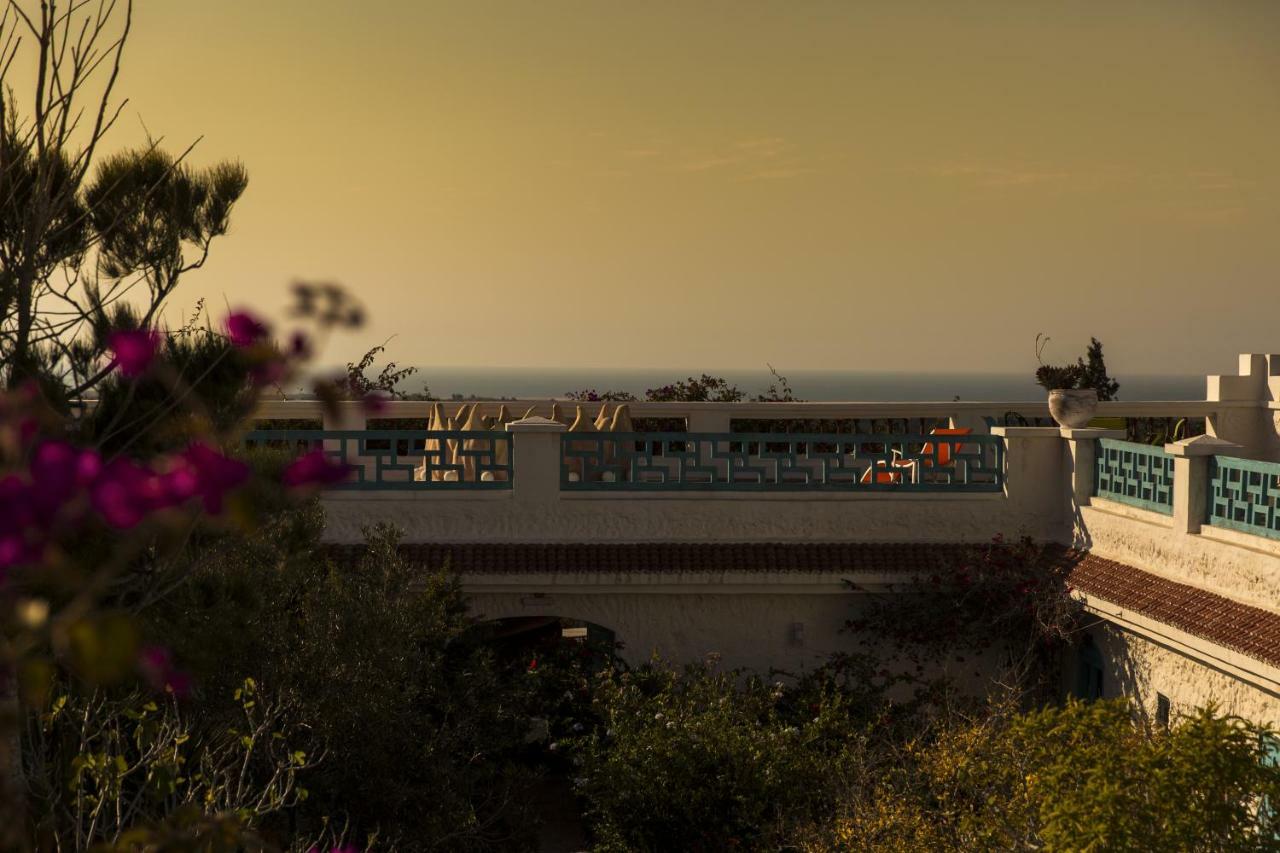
(1080, 777)
(707, 760)
(700, 760)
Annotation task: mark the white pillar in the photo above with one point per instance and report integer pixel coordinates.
(1191, 478)
(342, 417)
(1249, 423)
(1081, 454)
(536, 458)
(1034, 480)
(701, 420)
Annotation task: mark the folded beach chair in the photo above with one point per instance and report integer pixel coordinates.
(901, 470)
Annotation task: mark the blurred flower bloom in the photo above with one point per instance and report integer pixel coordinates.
(155, 663)
(314, 468)
(215, 475)
(245, 330)
(134, 349)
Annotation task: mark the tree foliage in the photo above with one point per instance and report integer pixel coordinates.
(88, 244)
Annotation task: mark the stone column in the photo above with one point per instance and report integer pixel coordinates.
(701, 420)
(1081, 454)
(344, 417)
(536, 458)
(1191, 478)
(1249, 422)
(1034, 480)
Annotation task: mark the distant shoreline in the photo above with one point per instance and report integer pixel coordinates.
(817, 385)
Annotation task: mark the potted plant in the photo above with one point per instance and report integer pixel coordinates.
(1075, 389)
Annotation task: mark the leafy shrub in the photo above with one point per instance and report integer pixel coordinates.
(1080, 777)
(419, 730)
(705, 760)
(98, 764)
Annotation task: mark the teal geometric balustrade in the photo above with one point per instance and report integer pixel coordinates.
(781, 462)
(1244, 495)
(405, 460)
(1136, 474)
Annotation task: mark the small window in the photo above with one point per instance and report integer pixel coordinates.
(1162, 710)
(1089, 671)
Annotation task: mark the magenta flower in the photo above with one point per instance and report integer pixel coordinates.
(15, 550)
(126, 493)
(155, 663)
(245, 330)
(314, 469)
(374, 403)
(134, 349)
(58, 473)
(215, 475)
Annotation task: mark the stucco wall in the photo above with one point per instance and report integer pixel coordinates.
(1236, 565)
(1139, 667)
(499, 517)
(760, 621)
(750, 630)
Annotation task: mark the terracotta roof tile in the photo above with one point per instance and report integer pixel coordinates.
(522, 558)
(1241, 627)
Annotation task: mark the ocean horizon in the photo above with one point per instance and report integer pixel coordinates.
(817, 385)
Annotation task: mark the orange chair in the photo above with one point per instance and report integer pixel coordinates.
(892, 472)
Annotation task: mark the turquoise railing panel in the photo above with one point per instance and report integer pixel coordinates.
(1137, 474)
(406, 460)
(1244, 495)
(781, 462)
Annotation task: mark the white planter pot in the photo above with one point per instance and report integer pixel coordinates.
(1073, 408)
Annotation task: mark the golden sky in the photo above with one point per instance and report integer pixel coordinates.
(878, 186)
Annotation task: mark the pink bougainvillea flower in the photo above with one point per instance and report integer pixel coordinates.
(374, 403)
(155, 663)
(245, 330)
(15, 550)
(134, 349)
(125, 493)
(215, 475)
(314, 469)
(59, 472)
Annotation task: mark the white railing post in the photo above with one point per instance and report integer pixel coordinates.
(700, 420)
(536, 457)
(1191, 478)
(345, 416)
(1080, 456)
(1033, 477)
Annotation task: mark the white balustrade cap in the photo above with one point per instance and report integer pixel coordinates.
(1201, 445)
(536, 424)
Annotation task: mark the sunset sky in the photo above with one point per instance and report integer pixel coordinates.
(878, 186)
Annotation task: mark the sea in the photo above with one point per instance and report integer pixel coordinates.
(817, 385)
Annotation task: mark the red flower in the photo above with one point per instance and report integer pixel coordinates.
(134, 349)
(245, 330)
